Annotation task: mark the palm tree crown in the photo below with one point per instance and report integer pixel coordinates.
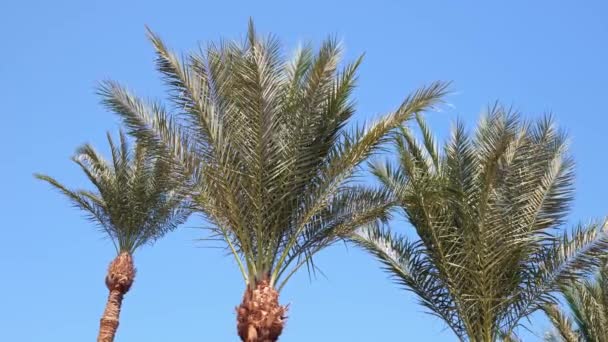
(485, 211)
(136, 199)
(264, 142)
(264, 145)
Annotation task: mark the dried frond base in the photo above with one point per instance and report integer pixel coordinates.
(119, 279)
(260, 317)
(121, 273)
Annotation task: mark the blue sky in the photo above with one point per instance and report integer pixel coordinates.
(539, 56)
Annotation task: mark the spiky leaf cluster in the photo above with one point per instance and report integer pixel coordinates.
(137, 197)
(485, 210)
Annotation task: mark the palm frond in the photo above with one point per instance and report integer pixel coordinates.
(406, 261)
(587, 300)
(563, 325)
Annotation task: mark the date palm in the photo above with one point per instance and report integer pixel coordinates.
(263, 143)
(587, 301)
(487, 212)
(135, 202)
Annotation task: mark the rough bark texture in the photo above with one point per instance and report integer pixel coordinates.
(260, 317)
(119, 279)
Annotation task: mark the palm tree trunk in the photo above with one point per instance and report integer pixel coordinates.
(119, 279)
(109, 321)
(260, 317)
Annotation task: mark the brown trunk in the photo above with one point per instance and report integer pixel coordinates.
(119, 279)
(109, 321)
(260, 317)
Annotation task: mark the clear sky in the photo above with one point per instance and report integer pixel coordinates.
(539, 56)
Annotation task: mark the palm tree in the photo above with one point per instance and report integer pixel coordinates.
(486, 212)
(588, 304)
(264, 147)
(136, 202)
